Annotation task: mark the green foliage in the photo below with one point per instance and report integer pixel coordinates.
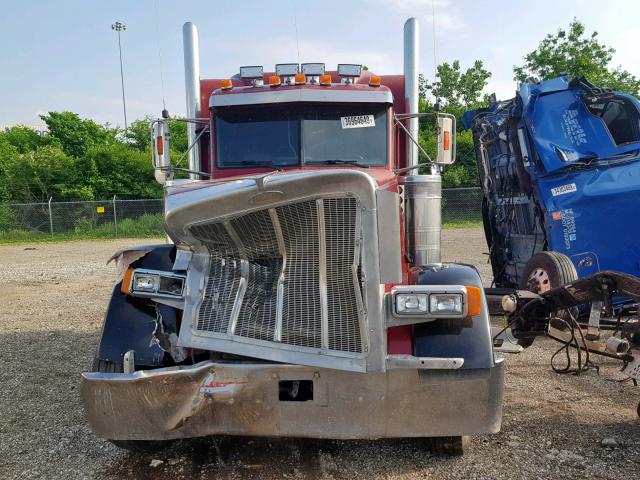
(576, 53)
(25, 139)
(77, 135)
(116, 169)
(455, 89)
(78, 160)
(37, 175)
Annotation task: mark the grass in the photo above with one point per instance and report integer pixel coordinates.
(462, 224)
(145, 226)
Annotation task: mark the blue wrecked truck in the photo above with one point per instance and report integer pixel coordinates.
(560, 176)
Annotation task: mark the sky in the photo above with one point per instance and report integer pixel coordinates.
(63, 55)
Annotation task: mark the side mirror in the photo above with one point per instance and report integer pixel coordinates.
(160, 151)
(446, 139)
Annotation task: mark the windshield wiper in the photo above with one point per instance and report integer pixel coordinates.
(339, 162)
(249, 163)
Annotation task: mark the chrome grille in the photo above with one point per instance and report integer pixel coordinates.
(288, 275)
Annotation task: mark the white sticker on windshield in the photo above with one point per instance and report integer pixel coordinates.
(358, 121)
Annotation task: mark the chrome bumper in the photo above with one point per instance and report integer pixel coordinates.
(243, 399)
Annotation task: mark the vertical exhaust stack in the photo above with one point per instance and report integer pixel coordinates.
(423, 193)
(192, 91)
(411, 51)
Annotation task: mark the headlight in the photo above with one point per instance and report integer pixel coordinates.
(408, 303)
(446, 304)
(430, 302)
(145, 283)
(153, 283)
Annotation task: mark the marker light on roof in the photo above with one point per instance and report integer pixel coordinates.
(325, 80)
(252, 72)
(226, 84)
(275, 81)
(313, 69)
(300, 79)
(375, 81)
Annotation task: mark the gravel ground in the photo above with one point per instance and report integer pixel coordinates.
(53, 298)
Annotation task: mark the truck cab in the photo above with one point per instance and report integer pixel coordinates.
(303, 292)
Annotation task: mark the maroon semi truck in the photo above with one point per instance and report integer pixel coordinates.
(302, 293)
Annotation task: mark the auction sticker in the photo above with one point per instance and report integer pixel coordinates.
(562, 189)
(358, 121)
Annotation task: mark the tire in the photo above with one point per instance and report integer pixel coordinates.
(547, 270)
(447, 445)
(559, 270)
(138, 446)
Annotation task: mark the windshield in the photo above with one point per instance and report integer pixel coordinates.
(312, 134)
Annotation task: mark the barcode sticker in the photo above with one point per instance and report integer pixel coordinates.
(562, 189)
(358, 121)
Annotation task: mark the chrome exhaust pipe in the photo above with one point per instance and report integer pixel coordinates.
(411, 51)
(192, 91)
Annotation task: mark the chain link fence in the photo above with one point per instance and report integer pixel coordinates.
(74, 220)
(143, 218)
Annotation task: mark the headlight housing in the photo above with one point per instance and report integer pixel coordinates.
(429, 302)
(153, 283)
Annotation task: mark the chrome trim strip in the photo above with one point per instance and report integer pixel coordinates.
(320, 94)
(275, 221)
(322, 274)
(360, 287)
(244, 272)
(424, 363)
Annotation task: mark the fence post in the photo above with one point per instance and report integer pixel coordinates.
(115, 217)
(50, 217)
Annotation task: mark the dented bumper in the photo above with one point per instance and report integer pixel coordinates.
(243, 399)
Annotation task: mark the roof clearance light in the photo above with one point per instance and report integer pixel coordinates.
(300, 79)
(313, 69)
(375, 81)
(226, 84)
(286, 69)
(325, 80)
(252, 72)
(275, 81)
(349, 70)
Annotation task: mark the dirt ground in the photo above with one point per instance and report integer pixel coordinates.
(52, 299)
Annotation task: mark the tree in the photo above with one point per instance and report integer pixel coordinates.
(25, 139)
(77, 135)
(37, 175)
(574, 52)
(457, 90)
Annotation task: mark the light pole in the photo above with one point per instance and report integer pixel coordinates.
(118, 27)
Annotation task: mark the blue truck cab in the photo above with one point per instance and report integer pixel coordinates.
(559, 171)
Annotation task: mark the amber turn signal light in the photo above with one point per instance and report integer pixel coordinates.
(474, 301)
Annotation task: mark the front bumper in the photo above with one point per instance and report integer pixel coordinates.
(243, 399)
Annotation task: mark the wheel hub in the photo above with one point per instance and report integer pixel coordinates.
(538, 281)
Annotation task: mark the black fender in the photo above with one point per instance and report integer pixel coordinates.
(130, 322)
(469, 338)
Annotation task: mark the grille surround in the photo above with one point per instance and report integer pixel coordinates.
(291, 277)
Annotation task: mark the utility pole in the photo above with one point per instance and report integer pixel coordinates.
(119, 27)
